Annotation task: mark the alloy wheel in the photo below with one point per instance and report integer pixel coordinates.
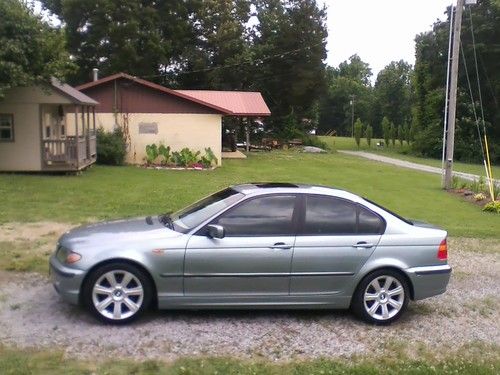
(384, 297)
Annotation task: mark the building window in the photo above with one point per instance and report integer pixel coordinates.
(6, 127)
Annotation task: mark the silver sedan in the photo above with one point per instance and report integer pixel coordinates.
(259, 245)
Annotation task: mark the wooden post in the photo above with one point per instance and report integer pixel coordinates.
(76, 136)
(247, 132)
(452, 109)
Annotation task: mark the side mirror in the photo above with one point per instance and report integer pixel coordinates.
(215, 231)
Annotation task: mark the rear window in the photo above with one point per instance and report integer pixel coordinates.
(389, 211)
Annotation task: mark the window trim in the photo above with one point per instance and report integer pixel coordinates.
(12, 135)
(302, 221)
(295, 216)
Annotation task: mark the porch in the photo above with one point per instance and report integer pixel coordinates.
(68, 137)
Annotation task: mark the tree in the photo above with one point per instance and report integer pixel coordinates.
(141, 37)
(392, 133)
(392, 92)
(30, 51)
(401, 135)
(386, 129)
(407, 133)
(358, 131)
(369, 135)
(350, 81)
(430, 82)
(289, 44)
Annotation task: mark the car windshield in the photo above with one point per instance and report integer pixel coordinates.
(195, 214)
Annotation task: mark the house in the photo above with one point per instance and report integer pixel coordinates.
(150, 113)
(47, 128)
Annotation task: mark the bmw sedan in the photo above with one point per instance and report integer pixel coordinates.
(252, 246)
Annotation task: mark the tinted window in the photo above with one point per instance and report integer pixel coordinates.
(326, 215)
(369, 223)
(264, 216)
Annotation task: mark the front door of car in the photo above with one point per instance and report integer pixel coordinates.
(336, 238)
(254, 256)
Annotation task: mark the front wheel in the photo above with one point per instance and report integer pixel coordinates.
(381, 297)
(117, 293)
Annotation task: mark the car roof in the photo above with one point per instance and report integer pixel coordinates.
(254, 188)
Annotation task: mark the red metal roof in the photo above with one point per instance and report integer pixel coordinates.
(239, 103)
(232, 103)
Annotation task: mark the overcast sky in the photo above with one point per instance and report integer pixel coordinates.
(379, 31)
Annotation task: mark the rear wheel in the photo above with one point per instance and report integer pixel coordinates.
(117, 293)
(381, 297)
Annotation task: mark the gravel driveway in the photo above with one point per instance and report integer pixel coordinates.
(32, 315)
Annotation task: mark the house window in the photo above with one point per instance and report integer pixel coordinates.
(6, 127)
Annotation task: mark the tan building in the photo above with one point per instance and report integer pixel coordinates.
(149, 113)
(46, 129)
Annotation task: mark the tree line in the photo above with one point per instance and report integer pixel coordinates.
(277, 47)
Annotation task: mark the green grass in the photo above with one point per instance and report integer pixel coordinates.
(401, 152)
(114, 192)
(21, 362)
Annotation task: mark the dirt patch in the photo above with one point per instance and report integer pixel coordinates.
(32, 231)
(32, 315)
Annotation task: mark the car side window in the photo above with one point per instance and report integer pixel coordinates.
(369, 223)
(326, 215)
(262, 216)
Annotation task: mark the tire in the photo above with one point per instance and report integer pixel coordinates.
(117, 293)
(385, 305)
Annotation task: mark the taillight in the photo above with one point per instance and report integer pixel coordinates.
(443, 250)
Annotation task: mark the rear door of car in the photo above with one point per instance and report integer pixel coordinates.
(254, 257)
(334, 240)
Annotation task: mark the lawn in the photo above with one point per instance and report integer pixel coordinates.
(115, 192)
(401, 152)
(29, 362)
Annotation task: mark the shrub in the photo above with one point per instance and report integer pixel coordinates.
(111, 147)
(358, 131)
(386, 130)
(492, 207)
(312, 140)
(185, 157)
(369, 135)
(208, 159)
(165, 153)
(152, 153)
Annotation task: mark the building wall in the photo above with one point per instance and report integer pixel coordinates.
(195, 131)
(24, 154)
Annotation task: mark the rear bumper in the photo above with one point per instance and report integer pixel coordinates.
(66, 281)
(429, 281)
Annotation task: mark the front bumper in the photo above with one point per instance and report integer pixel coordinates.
(66, 281)
(429, 281)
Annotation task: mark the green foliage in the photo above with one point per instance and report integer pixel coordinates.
(209, 158)
(393, 134)
(164, 152)
(358, 131)
(386, 130)
(492, 207)
(369, 135)
(30, 51)
(312, 140)
(185, 157)
(400, 135)
(111, 147)
(152, 153)
(407, 133)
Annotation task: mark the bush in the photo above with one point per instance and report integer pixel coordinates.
(111, 147)
(358, 131)
(312, 140)
(369, 135)
(492, 207)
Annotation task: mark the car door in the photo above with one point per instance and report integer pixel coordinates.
(335, 238)
(253, 258)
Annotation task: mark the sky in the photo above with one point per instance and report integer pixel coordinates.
(379, 31)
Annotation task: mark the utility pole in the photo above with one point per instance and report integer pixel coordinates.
(352, 115)
(452, 108)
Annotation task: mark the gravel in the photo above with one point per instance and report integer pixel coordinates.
(33, 316)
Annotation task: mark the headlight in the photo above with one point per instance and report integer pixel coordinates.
(66, 256)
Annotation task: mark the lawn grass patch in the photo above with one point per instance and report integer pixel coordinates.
(18, 362)
(25, 256)
(116, 192)
(402, 153)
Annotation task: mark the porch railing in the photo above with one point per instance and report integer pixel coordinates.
(72, 151)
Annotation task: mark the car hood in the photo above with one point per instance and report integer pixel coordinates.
(129, 230)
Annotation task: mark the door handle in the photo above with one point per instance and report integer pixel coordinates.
(281, 245)
(363, 245)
